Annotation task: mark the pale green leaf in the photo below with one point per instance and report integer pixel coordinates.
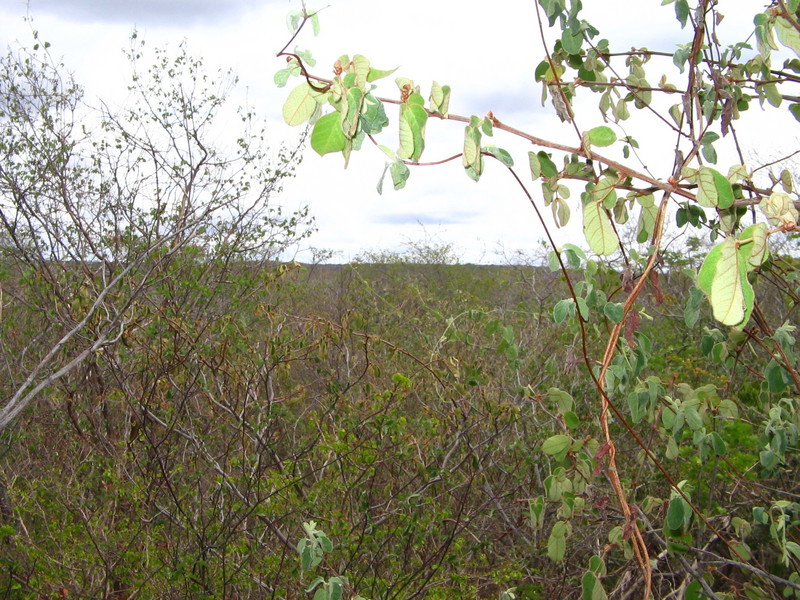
(537, 506)
(440, 98)
(360, 66)
(598, 230)
(557, 542)
(413, 117)
(604, 191)
(787, 34)
(556, 444)
(561, 212)
(728, 285)
(471, 158)
(713, 189)
(300, 104)
(591, 587)
(753, 245)
(406, 149)
(378, 74)
(614, 311)
(708, 269)
(780, 209)
(350, 116)
(535, 165)
(600, 136)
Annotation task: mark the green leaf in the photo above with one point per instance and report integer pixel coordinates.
(592, 588)
(535, 165)
(647, 218)
(713, 189)
(692, 310)
(327, 135)
(677, 515)
(600, 136)
(471, 158)
(614, 311)
(740, 551)
(306, 558)
(325, 542)
(776, 376)
(571, 420)
(604, 191)
(440, 98)
(598, 230)
(400, 173)
(597, 566)
(413, 117)
(694, 591)
(350, 116)
(779, 209)
(570, 42)
(718, 444)
(787, 34)
(556, 444)
(293, 19)
(557, 542)
(548, 167)
(536, 506)
(794, 548)
(282, 77)
(300, 104)
(753, 247)
(682, 12)
(723, 277)
(565, 402)
(336, 590)
(563, 309)
(561, 212)
(373, 115)
(502, 155)
(375, 74)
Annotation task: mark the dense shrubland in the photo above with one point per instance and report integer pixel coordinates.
(400, 406)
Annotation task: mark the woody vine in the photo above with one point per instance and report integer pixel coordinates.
(713, 87)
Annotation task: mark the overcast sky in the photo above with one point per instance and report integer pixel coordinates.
(487, 52)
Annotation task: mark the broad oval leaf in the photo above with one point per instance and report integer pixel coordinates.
(556, 444)
(598, 230)
(723, 277)
(327, 135)
(713, 189)
(300, 104)
(557, 542)
(413, 117)
(601, 136)
(677, 514)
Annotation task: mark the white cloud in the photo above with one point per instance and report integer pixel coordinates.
(486, 52)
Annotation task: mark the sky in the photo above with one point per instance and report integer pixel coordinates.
(486, 52)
